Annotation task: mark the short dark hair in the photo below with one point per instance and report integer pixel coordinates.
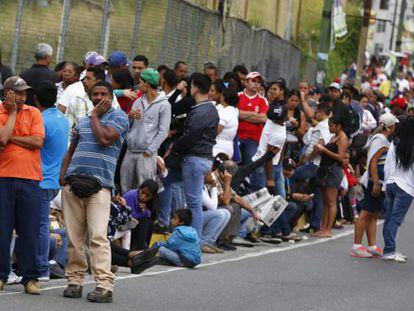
(98, 73)
(141, 58)
(231, 96)
(60, 66)
(170, 77)
(210, 65)
(105, 84)
(337, 120)
(202, 82)
(162, 67)
(184, 215)
(177, 64)
(240, 68)
(123, 77)
(294, 92)
(324, 107)
(46, 93)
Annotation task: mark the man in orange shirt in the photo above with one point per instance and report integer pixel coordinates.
(21, 138)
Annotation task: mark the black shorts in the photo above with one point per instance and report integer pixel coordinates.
(371, 204)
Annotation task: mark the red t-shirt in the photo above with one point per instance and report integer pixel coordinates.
(258, 103)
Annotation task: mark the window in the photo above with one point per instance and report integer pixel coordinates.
(378, 49)
(384, 4)
(381, 26)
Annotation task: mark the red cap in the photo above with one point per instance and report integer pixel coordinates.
(253, 74)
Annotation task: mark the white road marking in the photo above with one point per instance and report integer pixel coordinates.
(213, 263)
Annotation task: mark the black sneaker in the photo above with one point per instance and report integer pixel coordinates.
(56, 271)
(73, 291)
(100, 295)
(144, 256)
(226, 246)
(144, 266)
(157, 228)
(251, 238)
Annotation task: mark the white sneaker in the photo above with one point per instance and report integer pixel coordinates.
(401, 255)
(45, 278)
(397, 257)
(13, 279)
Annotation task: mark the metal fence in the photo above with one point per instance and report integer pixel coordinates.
(164, 30)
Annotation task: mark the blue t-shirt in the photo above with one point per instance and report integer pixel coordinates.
(93, 159)
(54, 147)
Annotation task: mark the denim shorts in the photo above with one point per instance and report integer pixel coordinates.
(330, 176)
(371, 204)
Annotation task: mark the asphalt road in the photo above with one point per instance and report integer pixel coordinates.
(310, 275)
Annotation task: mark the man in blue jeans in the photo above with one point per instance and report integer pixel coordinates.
(52, 153)
(196, 147)
(21, 138)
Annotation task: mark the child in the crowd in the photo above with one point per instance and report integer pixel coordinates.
(347, 197)
(143, 204)
(182, 248)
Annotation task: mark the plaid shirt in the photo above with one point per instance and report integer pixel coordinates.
(80, 106)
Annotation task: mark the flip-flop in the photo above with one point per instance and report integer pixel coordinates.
(271, 240)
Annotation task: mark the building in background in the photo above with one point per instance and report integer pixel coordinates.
(394, 28)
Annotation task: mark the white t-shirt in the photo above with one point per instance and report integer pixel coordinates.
(229, 119)
(403, 85)
(273, 134)
(393, 173)
(75, 89)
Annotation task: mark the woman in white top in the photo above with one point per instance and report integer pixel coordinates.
(373, 203)
(214, 219)
(368, 122)
(229, 122)
(399, 186)
(70, 75)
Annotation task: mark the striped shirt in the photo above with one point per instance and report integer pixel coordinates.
(91, 158)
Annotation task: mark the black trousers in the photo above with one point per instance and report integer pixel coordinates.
(141, 234)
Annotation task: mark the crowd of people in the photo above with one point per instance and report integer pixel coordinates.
(113, 163)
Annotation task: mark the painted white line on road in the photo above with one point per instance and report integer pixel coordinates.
(239, 258)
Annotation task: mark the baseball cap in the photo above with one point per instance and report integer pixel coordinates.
(95, 59)
(253, 74)
(276, 112)
(388, 119)
(117, 58)
(16, 83)
(43, 49)
(89, 53)
(335, 85)
(150, 76)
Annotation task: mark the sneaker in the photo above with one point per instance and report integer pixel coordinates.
(44, 278)
(100, 295)
(251, 238)
(73, 291)
(239, 241)
(131, 224)
(377, 252)
(207, 249)
(401, 255)
(394, 257)
(145, 265)
(270, 239)
(56, 271)
(159, 229)
(360, 252)
(226, 246)
(32, 288)
(13, 279)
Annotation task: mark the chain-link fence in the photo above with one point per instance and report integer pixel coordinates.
(163, 30)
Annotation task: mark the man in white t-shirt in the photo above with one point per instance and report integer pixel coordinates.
(402, 82)
(273, 137)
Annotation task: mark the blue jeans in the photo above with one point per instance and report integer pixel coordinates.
(19, 209)
(308, 171)
(171, 256)
(258, 180)
(282, 224)
(194, 170)
(178, 196)
(245, 215)
(46, 196)
(396, 206)
(60, 253)
(165, 198)
(213, 221)
(248, 148)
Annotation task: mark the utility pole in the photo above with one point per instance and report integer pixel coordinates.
(297, 28)
(363, 37)
(324, 41)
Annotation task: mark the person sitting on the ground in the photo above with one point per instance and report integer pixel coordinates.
(120, 221)
(182, 248)
(143, 205)
(214, 219)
